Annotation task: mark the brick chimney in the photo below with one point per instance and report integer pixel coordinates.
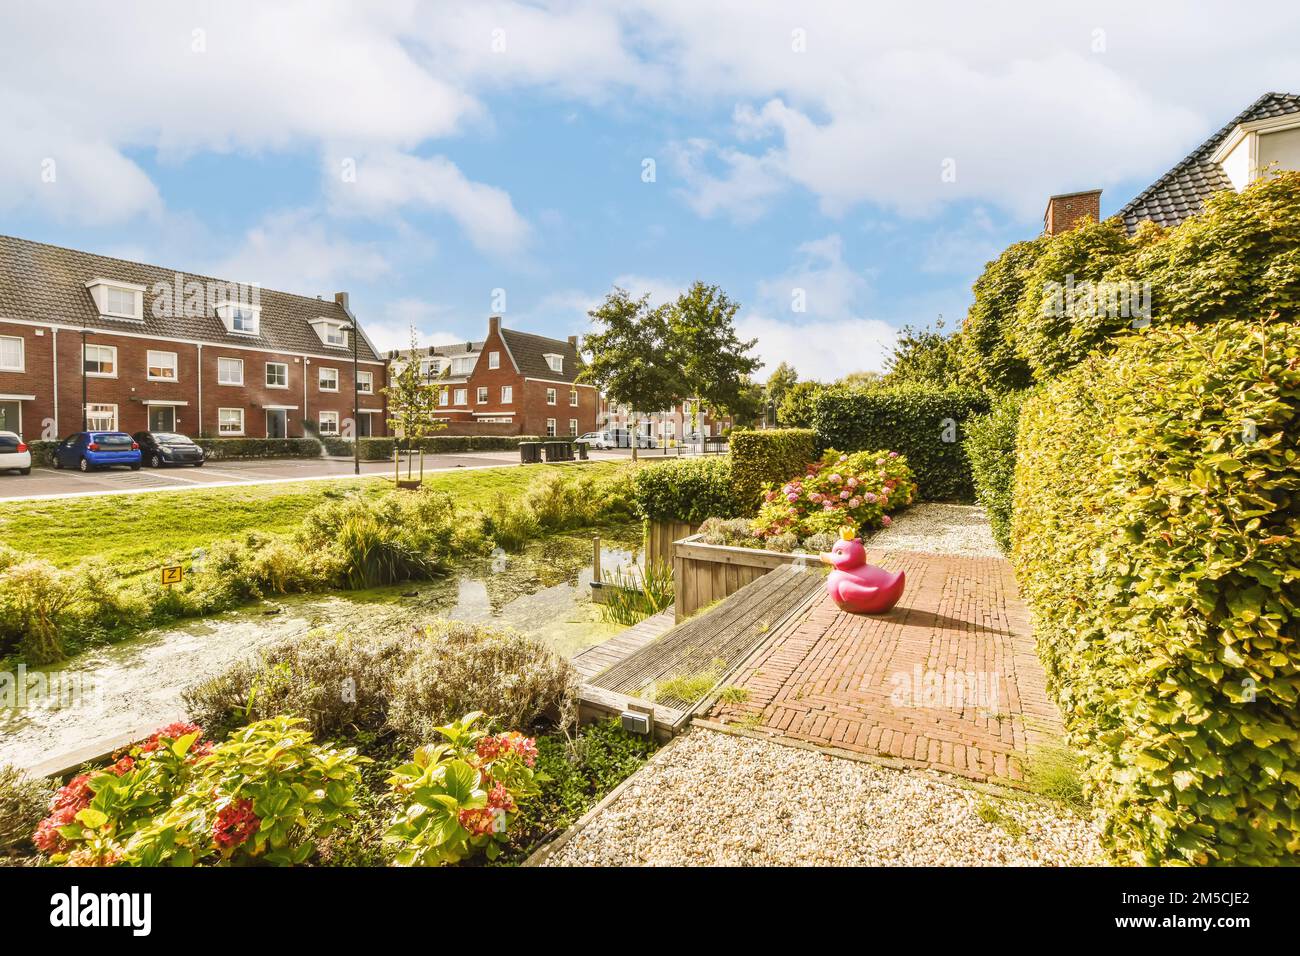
(494, 323)
(1065, 211)
(342, 299)
(573, 340)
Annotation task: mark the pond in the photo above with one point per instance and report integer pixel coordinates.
(135, 686)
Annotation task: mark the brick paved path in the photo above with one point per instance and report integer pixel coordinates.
(948, 679)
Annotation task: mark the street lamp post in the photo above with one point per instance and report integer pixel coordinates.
(84, 425)
(356, 403)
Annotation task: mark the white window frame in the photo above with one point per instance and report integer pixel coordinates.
(110, 291)
(573, 427)
(444, 396)
(481, 395)
(90, 374)
(494, 360)
(507, 394)
(248, 318)
(225, 432)
(332, 417)
(150, 364)
(22, 354)
(320, 378)
(365, 383)
(550, 428)
(229, 358)
(554, 362)
(267, 377)
(550, 396)
(573, 398)
(91, 411)
(461, 397)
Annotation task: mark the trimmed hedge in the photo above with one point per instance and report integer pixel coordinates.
(381, 449)
(991, 448)
(42, 453)
(771, 456)
(1157, 497)
(925, 425)
(230, 449)
(685, 489)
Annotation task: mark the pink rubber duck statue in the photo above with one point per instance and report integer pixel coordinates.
(858, 587)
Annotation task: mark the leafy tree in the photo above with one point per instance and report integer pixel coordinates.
(923, 357)
(779, 383)
(986, 347)
(709, 358)
(798, 406)
(629, 358)
(747, 408)
(859, 379)
(412, 403)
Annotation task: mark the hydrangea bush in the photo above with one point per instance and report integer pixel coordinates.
(838, 490)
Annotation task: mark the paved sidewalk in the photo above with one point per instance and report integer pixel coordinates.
(947, 680)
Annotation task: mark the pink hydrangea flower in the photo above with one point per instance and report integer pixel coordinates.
(844, 457)
(893, 454)
(844, 495)
(870, 498)
(854, 502)
(792, 497)
(880, 461)
(852, 482)
(836, 478)
(886, 520)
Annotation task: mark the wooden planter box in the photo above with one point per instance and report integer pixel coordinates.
(705, 573)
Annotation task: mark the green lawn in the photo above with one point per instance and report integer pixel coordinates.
(134, 533)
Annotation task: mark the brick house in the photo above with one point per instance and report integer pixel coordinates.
(168, 351)
(1264, 136)
(511, 383)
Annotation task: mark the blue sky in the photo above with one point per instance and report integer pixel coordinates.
(860, 158)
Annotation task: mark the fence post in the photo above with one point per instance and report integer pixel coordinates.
(595, 558)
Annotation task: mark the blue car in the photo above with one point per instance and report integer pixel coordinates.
(89, 450)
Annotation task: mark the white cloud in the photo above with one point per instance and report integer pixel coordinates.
(392, 328)
(821, 283)
(295, 252)
(386, 183)
(742, 187)
(822, 350)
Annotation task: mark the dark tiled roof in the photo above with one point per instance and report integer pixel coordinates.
(529, 353)
(1182, 191)
(44, 283)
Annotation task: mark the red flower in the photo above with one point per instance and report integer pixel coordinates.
(494, 747)
(235, 823)
(67, 802)
(171, 732)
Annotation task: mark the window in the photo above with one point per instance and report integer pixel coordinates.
(463, 365)
(334, 335)
(11, 353)
(277, 375)
(230, 371)
(507, 394)
(328, 378)
(101, 418)
(573, 427)
(573, 398)
(494, 360)
(230, 421)
(101, 360)
(443, 396)
(119, 301)
(482, 394)
(550, 396)
(556, 362)
(243, 320)
(550, 428)
(366, 383)
(329, 423)
(460, 397)
(161, 366)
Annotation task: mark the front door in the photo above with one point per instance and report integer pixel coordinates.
(162, 418)
(363, 425)
(277, 423)
(11, 417)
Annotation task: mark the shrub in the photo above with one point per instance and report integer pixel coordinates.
(1156, 500)
(231, 449)
(685, 489)
(23, 802)
(509, 524)
(923, 425)
(462, 795)
(459, 667)
(991, 447)
(836, 491)
(986, 347)
(34, 600)
(760, 458)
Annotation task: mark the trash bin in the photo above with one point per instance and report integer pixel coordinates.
(530, 452)
(581, 448)
(558, 451)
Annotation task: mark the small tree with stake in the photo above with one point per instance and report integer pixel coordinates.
(412, 407)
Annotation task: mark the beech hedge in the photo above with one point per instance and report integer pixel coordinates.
(685, 489)
(926, 425)
(230, 449)
(771, 456)
(991, 448)
(1157, 502)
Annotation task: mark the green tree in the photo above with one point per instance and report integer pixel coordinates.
(923, 357)
(797, 408)
(779, 383)
(629, 358)
(412, 402)
(987, 347)
(708, 357)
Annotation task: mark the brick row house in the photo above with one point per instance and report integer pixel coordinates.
(511, 383)
(169, 351)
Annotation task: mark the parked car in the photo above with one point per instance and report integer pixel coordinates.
(89, 450)
(597, 440)
(14, 454)
(168, 448)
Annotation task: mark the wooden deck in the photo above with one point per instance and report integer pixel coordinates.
(593, 660)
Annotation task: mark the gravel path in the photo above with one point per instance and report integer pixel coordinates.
(939, 529)
(725, 800)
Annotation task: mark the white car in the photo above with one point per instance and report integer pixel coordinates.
(597, 440)
(14, 454)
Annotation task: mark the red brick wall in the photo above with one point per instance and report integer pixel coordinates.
(36, 379)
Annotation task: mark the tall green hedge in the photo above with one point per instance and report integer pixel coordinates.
(685, 489)
(991, 448)
(771, 455)
(1156, 519)
(925, 425)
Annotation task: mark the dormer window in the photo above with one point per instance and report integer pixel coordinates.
(1252, 149)
(556, 362)
(463, 365)
(239, 317)
(331, 333)
(117, 300)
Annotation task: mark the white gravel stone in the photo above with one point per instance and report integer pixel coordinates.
(718, 799)
(939, 529)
